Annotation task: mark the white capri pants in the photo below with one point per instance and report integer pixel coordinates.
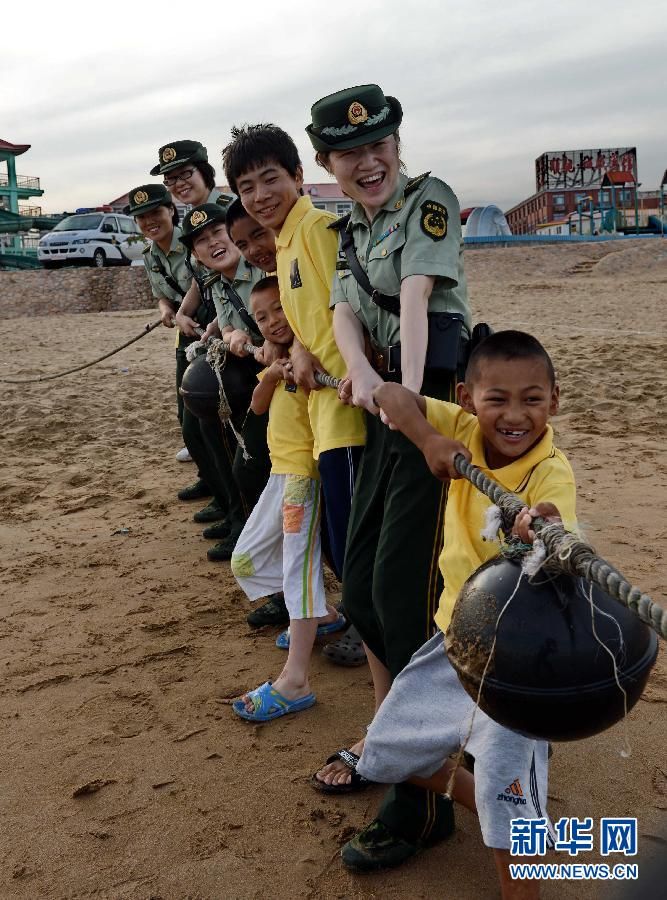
(279, 547)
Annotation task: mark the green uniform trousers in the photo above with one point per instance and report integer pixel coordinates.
(392, 582)
(252, 473)
(221, 443)
(200, 449)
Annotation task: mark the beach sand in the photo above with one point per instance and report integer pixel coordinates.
(125, 773)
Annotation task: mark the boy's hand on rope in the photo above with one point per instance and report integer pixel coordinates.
(186, 325)
(439, 452)
(237, 339)
(280, 371)
(304, 366)
(269, 352)
(524, 520)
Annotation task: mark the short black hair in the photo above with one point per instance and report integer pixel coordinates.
(508, 345)
(269, 282)
(253, 146)
(207, 173)
(235, 212)
(175, 218)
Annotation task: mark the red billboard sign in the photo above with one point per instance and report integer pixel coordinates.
(563, 169)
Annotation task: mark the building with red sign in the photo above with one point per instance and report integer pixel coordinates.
(566, 180)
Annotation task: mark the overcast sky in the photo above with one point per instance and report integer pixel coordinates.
(485, 86)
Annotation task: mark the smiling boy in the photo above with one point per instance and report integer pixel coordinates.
(263, 167)
(256, 243)
(502, 426)
(280, 544)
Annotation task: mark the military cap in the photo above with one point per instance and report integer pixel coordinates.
(200, 218)
(146, 197)
(352, 117)
(178, 153)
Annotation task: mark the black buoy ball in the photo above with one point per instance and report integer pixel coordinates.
(200, 390)
(549, 677)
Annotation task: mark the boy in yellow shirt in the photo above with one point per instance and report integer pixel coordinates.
(279, 547)
(502, 426)
(263, 167)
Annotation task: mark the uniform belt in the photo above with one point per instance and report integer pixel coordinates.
(386, 360)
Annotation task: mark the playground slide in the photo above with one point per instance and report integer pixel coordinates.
(654, 226)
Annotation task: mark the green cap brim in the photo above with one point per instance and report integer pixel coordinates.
(174, 164)
(145, 207)
(362, 137)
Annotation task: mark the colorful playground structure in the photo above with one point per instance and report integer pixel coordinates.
(612, 214)
(20, 225)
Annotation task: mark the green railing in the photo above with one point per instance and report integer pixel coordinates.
(22, 181)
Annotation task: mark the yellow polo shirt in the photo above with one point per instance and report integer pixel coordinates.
(306, 251)
(543, 475)
(288, 436)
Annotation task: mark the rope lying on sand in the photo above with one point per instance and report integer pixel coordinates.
(146, 330)
(571, 554)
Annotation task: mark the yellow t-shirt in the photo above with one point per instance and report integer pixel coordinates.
(289, 437)
(543, 475)
(306, 260)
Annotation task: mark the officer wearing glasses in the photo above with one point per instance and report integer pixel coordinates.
(187, 173)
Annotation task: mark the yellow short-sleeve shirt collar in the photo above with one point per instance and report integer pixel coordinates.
(513, 474)
(294, 217)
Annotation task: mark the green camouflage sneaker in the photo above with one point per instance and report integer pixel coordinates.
(273, 612)
(216, 532)
(223, 551)
(376, 847)
(195, 491)
(211, 513)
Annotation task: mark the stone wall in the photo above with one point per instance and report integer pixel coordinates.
(44, 292)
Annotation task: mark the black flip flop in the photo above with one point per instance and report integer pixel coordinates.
(357, 782)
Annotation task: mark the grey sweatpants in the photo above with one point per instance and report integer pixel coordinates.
(426, 717)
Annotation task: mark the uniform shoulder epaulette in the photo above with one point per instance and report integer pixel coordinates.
(340, 224)
(414, 183)
(147, 249)
(211, 279)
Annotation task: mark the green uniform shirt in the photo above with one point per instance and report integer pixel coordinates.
(417, 232)
(246, 276)
(172, 264)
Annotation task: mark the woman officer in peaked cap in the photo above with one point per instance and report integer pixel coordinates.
(188, 175)
(170, 277)
(400, 287)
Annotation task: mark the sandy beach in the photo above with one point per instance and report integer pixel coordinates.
(125, 773)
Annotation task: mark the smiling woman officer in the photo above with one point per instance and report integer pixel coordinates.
(187, 173)
(170, 278)
(400, 287)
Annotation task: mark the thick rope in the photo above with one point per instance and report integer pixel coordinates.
(322, 378)
(146, 330)
(571, 554)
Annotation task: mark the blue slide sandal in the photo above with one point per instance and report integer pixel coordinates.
(282, 641)
(268, 704)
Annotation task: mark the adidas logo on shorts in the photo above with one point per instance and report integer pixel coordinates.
(513, 794)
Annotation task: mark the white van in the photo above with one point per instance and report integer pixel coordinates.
(93, 239)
